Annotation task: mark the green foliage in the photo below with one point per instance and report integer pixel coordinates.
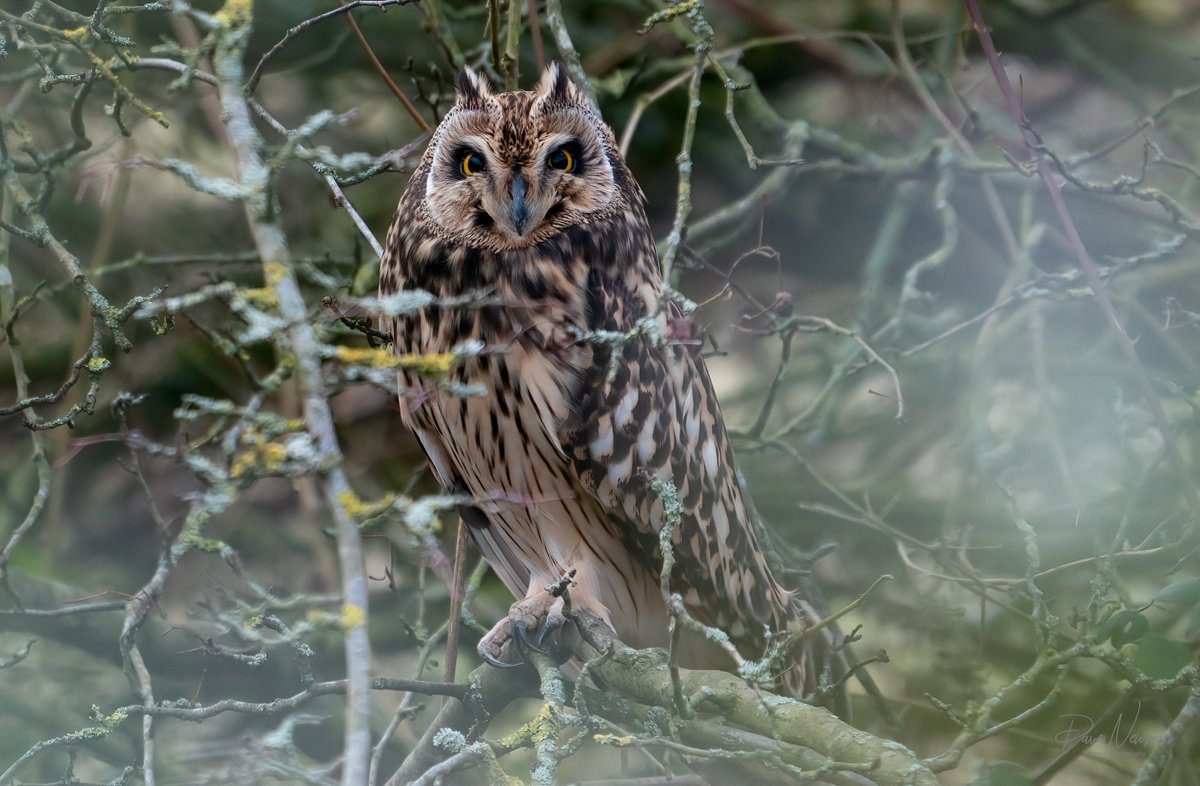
(1160, 658)
(1124, 627)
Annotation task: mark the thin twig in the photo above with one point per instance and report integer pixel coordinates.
(345, 8)
(457, 590)
(702, 46)
(535, 31)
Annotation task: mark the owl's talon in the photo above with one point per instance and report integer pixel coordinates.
(521, 636)
(529, 623)
(552, 623)
(495, 663)
(492, 645)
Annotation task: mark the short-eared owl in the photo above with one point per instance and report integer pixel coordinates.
(594, 403)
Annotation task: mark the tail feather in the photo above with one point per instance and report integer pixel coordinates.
(815, 665)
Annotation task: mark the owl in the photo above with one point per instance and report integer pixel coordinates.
(597, 422)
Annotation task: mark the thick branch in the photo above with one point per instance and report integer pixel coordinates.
(642, 676)
(733, 717)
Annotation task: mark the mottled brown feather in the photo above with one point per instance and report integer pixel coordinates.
(560, 452)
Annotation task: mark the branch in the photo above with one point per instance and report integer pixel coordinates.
(702, 46)
(644, 676)
(567, 51)
(1166, 743)
(276, 706)
(301, 341)
(490, 690)
(776, 735)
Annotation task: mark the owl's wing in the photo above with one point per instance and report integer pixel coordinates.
(648, 413)
(513, 572)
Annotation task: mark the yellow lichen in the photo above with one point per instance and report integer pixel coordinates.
(318, 617)
(111, 721)
(242, 463)
(359, 510)
(235, 12)
(497, 775)
(107, 722)
(613, 739)
(429, 365)
(433, 365)
(98, 364)
(352, 617)
(273, 455)
(261, 454)
(76, 34)
(197, 541)
(542, 727)
(375, 357)
(273, 272)
(263, 297)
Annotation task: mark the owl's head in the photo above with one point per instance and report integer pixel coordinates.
(509, 170)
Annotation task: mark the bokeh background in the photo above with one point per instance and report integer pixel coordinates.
(915, 226)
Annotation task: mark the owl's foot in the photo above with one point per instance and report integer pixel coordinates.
(529, 621)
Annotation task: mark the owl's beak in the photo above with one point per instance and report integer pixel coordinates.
(519, 211)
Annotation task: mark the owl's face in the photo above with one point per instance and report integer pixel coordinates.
(509, 170)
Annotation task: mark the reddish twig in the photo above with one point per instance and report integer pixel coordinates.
(457, 591)
(535, 31)
(378, 66)
(1090, 271)
(345, 7)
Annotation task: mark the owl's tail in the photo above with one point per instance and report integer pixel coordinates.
(817, 661)
(815, 665)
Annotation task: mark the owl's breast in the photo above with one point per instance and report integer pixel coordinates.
(527, 364)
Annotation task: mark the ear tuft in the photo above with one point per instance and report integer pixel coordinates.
(473, 91)
(556, 87)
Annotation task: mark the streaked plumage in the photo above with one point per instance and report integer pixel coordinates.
(560, 454)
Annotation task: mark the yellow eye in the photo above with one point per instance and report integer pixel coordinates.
(472, 164)
(561, 159)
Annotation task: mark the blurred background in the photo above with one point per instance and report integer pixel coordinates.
(914, 236)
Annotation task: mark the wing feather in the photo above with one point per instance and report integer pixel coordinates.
(651, 414)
